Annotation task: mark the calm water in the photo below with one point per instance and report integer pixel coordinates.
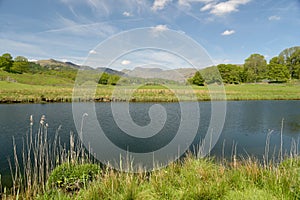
(247, 124)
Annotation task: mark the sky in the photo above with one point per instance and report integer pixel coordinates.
(228, 31)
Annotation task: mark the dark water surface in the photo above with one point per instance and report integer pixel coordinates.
(247, 125)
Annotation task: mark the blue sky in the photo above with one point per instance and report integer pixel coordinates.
(70, 30)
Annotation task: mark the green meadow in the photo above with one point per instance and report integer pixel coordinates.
(59, 91)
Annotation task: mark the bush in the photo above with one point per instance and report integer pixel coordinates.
(72, 177)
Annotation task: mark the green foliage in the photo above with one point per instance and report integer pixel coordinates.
(231, 74)
(291, 58)
(113, 79)
(108, 79)
(20, 67)
(72, 177)
(255, 68)
(294, 64)
(197, 79)
(20, 59)
(286, 53)
(6, 62)
(277, 72)
(104, 78)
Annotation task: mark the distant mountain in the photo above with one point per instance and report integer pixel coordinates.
(180, 75)
(55, 64)
(110, 71)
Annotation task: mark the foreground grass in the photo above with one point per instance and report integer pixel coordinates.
(193, 179)
(24, 93)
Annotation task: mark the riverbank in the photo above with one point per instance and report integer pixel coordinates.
(191, 179)
(11, 92)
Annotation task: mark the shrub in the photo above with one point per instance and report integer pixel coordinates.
(72, 177)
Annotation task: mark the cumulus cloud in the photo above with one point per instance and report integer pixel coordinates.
(274, 18)
(160, 28)
(189, 2)
(221, 8)
(92, 52)
(125, 62)
(127, 14)
(228, 32)
(207, 7)
(159, 4)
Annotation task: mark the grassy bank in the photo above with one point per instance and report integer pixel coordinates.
(11, 92)
(195, 179)
(190, 179)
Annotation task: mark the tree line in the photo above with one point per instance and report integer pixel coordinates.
(281, 68)
(20, 65)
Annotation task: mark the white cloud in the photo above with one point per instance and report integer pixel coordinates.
(159, 4)
(125, 62)
(207, 7)
(188, 3)
(87, 29)
(221, 8)
(92, 52)
(127, 14)
(228, 32)
(160, 28)
(274, 18)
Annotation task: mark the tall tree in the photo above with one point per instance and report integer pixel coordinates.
(197, 79)
(113, 79)
(20, 65)
(276, 71)
(230, 74)
(255, 68)
(293, 63)
(104, 78)
(286, 53)
(6, 62)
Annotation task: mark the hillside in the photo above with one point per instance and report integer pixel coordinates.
(55, 64)
(180, 75)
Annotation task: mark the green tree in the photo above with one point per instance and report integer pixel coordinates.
(293, 63)
(6, 62)
(290, 58)
(255, 68)
(230, 74)
(113, 79)
(104, 78)
(211, 75)
(276, 71)
(20, 59)
(287, 53)
(20, 65)
(197, 79)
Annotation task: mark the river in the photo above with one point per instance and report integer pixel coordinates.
(247, 125)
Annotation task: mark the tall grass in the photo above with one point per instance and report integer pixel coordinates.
(40, 156)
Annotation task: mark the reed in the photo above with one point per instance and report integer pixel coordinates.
(40, 156)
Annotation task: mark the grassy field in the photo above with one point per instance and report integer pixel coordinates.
(58, 87)
(11, 92)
